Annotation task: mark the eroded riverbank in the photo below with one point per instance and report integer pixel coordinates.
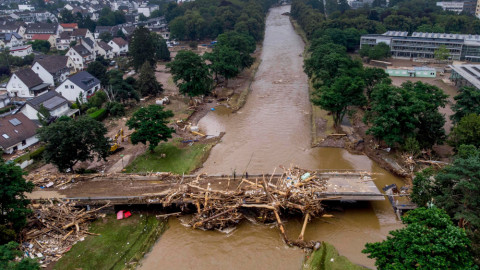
(272, 129)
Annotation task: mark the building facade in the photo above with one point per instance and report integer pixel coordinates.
(424, 45)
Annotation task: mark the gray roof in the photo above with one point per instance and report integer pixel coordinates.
(8, 36)
(89, 41)
(15, 128)
(42, 28)
(84, 80)
(80, 49)
(52, 63)
(28, 77)
(50, 100)
(104, 45)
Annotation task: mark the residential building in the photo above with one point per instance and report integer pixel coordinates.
(119, 46)
(456, 7)
(53, 69)
(10, 40)
(41, 28)
(81, 56)
(110, 29)
(21, 51)
(52, 101)
(147, 9)
(465, 75)
(46, 37)
(12, 27)
(17, 133)
(26, 84)
(103, 49)
(81, 85)
(26, 8)
(423, 45)
(67, 27)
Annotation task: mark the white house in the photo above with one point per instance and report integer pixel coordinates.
(53, 69)
(52, 101)
(81, 56)
(21, 51)
(119, 46)
(147, 9)
(11, 39)
(26, 8)
(17, 133)
(26, 84)
(103, 49)
(81, 85)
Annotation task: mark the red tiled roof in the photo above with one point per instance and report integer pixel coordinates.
(69, 25)
(41, 37)
(120, 41)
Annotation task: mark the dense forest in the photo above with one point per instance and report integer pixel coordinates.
(204, 19)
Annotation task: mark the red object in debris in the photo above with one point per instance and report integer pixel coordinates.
(120, 214)
(127, 214)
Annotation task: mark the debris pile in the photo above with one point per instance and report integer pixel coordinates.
(45, 179)
(54, 227)
(296, 190)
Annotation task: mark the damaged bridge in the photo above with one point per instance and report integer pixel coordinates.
(152, 188)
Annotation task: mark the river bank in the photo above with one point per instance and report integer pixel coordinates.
(274, 128)
(119, 244)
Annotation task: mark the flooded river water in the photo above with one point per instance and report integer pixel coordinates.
(272, 129)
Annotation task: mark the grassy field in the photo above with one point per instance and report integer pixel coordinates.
(327, 258)
(179, 158)
(120, 245)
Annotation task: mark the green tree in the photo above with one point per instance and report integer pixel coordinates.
(408, 111)
(379, 51)
(150, 125)
(372, 77)
(142, 48)
(66, 16)
(467, 131)
(43, 115)
(344, 92)
(8, 254)
(442, 53)
(119, 89)
(13, 202)
(430, 240)
(467, 102)
(105, 37)
(242, 43)
(147, 83)
(142, 18)
(455, 188)
(191, 74)
(225, 61)
(69, 141)
(99, 71)
(41, 46)
(161, 49)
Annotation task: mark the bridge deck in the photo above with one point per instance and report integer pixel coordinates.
(141, 189)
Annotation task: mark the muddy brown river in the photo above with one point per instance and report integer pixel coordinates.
(272, 129)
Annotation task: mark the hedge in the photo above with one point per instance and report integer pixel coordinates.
(99, 115)
(6, 109)
(37, 154)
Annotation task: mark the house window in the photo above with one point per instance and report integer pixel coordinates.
(38, 68)
(24, 142)
(15, 148)
(66, 86)
(71, 86)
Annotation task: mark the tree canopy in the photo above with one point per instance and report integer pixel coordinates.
(455, 188)
(13, 202)
(142, 48)
(69, 141)
(430, 240)
(119, 89)
(8, 255)
(150, 125)
(467, 102)
(147, 83)
(225, 61)
(191, 74)
(467, 131)
(407, 111)
(99, 71)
